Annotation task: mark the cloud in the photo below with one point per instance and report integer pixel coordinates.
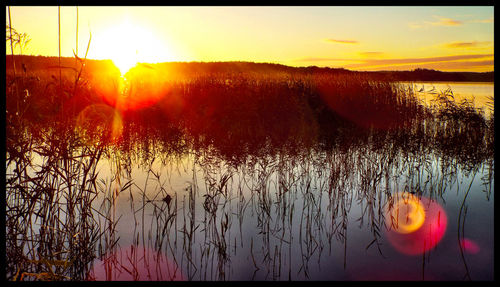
(376, 62)
(479, 66)
(467, 45)
(483, 21)
(441, 21)
(401, 60)
(443, 62)
(342, 41)
(445, 22)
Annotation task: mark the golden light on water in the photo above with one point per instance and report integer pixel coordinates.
(407, 214)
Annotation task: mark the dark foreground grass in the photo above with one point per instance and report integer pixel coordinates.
(228, 107)
(58, 131)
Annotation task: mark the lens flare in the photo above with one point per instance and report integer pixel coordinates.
(135, 263)
(407, 215)
(141, 87)
(99, 123)
(469, 246)
(419, 228)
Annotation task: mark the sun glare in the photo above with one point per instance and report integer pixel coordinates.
(128, 43)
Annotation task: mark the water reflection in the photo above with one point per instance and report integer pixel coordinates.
(135, 263)
(246, 194)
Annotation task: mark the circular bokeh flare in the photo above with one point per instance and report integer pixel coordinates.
(99, 123)
(415, 225)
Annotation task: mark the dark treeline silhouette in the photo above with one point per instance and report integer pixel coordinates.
(188, 69)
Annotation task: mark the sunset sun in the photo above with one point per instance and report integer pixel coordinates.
(127, 43)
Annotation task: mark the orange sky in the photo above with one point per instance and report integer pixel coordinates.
(356, 38)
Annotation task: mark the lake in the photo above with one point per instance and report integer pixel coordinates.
(411, 202)
(481, 92)
(284, 218)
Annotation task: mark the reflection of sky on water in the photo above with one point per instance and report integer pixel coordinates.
(461, 90)
(443, 262)
(135, 263)
(330, 218)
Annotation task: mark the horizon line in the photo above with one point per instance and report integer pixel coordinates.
(273, 63)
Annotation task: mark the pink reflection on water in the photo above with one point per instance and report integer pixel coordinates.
(469, 246)
(427, 236)
(135, 263)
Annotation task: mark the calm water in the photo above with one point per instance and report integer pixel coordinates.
(308, 218)
(173, 206)
(481, 92)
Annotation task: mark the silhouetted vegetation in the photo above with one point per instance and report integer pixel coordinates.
(285, 151)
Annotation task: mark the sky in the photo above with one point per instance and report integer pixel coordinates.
(449, 38)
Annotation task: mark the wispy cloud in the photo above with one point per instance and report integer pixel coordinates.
(445, 22)
(483, 21)
(418, 61)
(342, 41)
(478, 66)
(440, 21)
(401, 60)
(378, 62)
(443, 62)
(467, 45)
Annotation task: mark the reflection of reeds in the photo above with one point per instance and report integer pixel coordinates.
(461, 228)
(254, 113)
(50, 193)
(284, 164)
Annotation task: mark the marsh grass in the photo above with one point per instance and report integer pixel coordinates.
(49, 207)
(52, 183)
(286, 154)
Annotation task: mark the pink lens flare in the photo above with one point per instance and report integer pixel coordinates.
(469, 246)
(426, 236)
(135, 263)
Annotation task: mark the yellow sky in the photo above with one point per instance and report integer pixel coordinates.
(356, 38)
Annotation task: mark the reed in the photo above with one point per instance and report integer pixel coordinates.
(283, 155)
